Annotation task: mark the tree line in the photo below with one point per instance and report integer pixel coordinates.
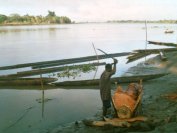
(143, 21)
(16, 19)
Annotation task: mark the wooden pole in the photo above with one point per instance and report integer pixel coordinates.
(42, 86)
(146, 38)
(42, 103)
(97, 60)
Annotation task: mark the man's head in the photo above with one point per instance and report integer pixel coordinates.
(108, 67)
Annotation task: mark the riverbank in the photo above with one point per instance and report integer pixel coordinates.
(159, 105)
(30, 24)
(112, 21)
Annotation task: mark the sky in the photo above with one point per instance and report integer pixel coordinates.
(94, 10)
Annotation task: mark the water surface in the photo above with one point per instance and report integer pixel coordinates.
(20, 110)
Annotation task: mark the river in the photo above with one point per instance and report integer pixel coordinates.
(20, 107)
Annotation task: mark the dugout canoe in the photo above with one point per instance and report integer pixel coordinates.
(47, 70)
(125, 112)
(25, 81)
(124, 79)
(44, 64)
(169, 32)
(138, 54)
(163, 43)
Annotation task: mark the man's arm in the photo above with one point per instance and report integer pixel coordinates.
(114, 67)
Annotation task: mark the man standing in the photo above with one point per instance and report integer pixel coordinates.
(105, 86)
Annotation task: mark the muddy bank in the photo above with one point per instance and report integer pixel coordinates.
(157, 105)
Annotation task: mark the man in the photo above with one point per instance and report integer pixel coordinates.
(105, 86)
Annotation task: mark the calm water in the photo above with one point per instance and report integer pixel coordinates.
(19, 109)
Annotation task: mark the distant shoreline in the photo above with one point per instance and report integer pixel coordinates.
(148, 21)
(15, 19)
(31, 24)
(113, 22)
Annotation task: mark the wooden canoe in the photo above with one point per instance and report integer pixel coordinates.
(138, 54)
(127, 103)
(25, 81)
(169, 32)
(163, 43)
(46, 70)
(125, 79)
(44, 64)
(122, 120)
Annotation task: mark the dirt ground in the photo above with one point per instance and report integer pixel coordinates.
(159, 103)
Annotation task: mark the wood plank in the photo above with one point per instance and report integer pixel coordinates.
(46, 70)
(79, 60)
(63, 61)
(125, 79)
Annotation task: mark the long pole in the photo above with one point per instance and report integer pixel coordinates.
(95, 52)
(42, 99)
(97, 60)
(146, 38)
(105, 53)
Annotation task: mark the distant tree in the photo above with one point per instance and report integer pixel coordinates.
(3, 18)
(51, 18)
(51, 14)
(63, 19)
(26, 18)
(33, 20)
(15, 18)
(39, 19)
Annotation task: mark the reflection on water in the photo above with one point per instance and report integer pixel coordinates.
(32, 29)
(43, 103)
(31, 109)
(63, 106)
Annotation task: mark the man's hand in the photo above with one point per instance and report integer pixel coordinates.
(115, 61)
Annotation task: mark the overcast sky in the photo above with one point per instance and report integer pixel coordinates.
(94, 10)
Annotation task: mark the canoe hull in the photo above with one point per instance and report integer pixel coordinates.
(126, 79)
(26, 81)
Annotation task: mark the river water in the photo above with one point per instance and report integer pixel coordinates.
(20, 107)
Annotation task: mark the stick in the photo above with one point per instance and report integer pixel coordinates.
(146, 38)
(42, 86)
(95, 52)
(105, 53)
(97, 60)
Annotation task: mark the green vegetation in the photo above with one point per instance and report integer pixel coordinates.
(143, 21)
(16, 19)
(76, 71)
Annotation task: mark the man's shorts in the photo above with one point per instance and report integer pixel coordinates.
(106, 103)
